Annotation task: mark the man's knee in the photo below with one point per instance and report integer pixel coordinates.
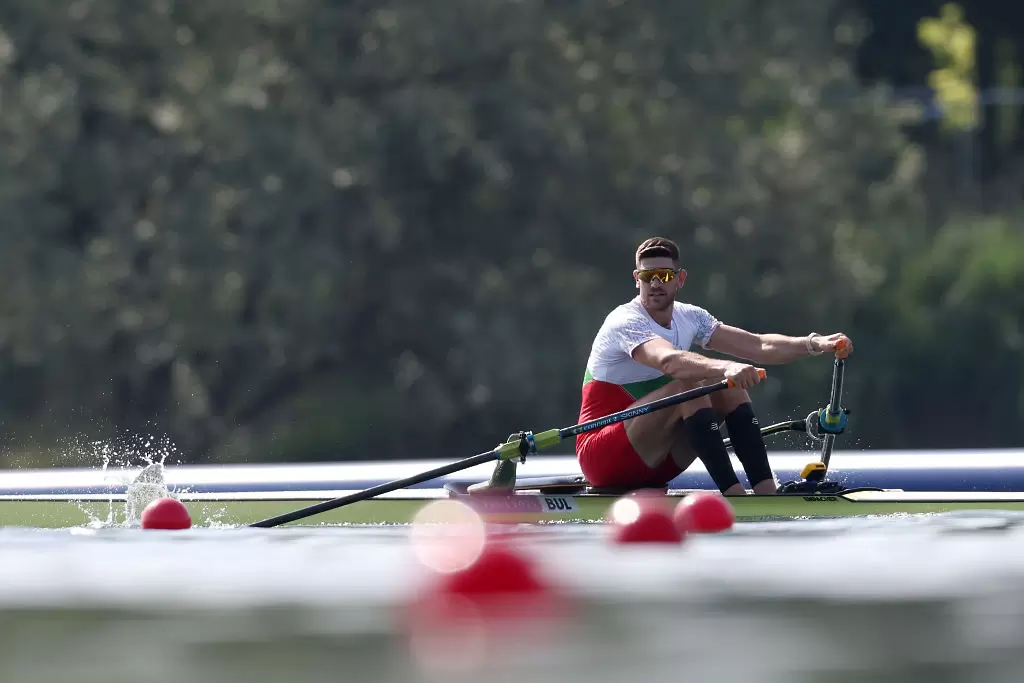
(681, 411)
(727, 400)
(687, 408)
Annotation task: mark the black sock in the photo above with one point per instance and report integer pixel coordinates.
(706, 439)
(748, 444)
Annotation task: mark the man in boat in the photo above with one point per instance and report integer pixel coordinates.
(642, 353)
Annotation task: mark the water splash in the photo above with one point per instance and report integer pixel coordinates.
(148, 486)
(131, 450)
(119, 459)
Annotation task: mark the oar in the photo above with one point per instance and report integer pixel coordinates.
(831, 421)
(833, 417)
(529, 444)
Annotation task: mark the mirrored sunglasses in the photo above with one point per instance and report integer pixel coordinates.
(661, 274)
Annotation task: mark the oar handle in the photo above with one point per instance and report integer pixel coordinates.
(761, 372)
(842, 349)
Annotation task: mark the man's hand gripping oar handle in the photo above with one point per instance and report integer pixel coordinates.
(528, 443)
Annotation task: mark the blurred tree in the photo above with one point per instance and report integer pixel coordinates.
(955, 346)
(297, 229)
(951, 41)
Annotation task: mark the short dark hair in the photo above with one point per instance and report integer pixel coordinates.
(657, 246)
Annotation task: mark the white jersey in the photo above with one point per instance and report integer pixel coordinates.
(630, 325)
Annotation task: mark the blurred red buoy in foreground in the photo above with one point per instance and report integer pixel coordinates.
(483, 596)
(166, 513)
(499, 572)
(643, 518)
(704, 513)
(472, 566)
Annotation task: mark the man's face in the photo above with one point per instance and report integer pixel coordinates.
(655, 292)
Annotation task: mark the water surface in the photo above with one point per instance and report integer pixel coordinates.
(935, 598)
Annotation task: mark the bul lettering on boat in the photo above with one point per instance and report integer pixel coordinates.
(559, 504)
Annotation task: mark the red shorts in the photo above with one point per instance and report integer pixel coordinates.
(606, 456)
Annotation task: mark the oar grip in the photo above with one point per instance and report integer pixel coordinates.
(842, 349)
(761, 372)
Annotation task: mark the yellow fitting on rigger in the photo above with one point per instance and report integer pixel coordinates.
(507, 451)
(811, 467)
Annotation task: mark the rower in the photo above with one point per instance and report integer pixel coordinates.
(822, 425)
(642, 353)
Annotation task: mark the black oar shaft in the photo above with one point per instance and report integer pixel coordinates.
(644, 409)
(833, 409)
(326, 505)
(505, 451)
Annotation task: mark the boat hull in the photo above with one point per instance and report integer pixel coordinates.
(530, 508)
(243, 494)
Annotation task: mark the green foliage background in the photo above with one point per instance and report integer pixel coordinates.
(302, 230)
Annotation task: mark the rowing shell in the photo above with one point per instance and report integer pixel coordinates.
(238, 494)
(522, 507)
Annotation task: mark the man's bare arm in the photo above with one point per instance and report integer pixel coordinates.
(683, 365)
(770, 349)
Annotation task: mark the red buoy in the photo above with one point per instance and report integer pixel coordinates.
(499, 571)
(705, 512)
(644, 519)
(166, 513)
(472, 565)
(471, 617)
